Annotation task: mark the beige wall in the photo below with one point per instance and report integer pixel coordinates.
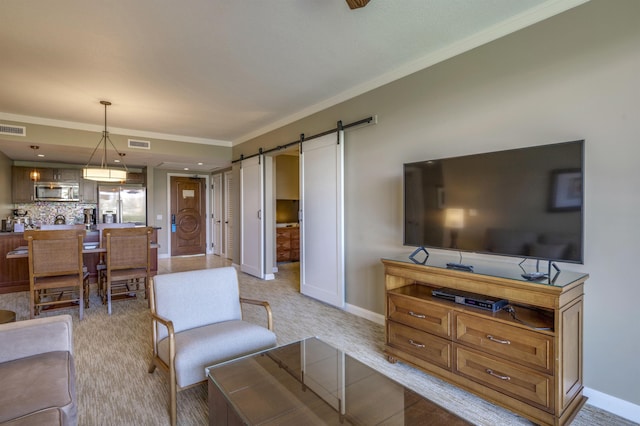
(5, 186)
(570, 77)
(287, 177)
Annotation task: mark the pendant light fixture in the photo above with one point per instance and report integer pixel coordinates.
(104, 173)
(34, 174)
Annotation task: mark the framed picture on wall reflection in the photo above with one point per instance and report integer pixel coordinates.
(566, 190)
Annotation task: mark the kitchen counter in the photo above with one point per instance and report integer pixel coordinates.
(14, 273)
(14, 270)
(288, 225)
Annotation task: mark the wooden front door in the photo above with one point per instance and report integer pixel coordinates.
(188, 216)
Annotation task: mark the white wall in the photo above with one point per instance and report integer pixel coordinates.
(574, 76)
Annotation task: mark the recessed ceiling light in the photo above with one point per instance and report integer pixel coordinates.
(200, 164)
(40, 155)
(116, 161)
(186, 168)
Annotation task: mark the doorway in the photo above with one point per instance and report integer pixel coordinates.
(188, 214)
(286, 210)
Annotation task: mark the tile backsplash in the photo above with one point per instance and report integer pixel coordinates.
(46, 212)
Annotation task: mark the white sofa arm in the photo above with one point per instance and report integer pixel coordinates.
(31, 337)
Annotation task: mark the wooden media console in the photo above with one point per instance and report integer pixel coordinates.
(526, 357)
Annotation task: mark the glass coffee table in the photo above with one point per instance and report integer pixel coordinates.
(312, 383)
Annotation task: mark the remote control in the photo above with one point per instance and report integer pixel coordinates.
(460, 266)
(532, 276)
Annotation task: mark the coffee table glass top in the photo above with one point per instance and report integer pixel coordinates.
(312, 383)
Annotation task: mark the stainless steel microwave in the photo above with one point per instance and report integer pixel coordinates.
(57, 191)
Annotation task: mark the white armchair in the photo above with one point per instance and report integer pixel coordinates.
(197, 322)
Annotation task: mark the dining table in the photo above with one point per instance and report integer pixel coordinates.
(91, 252)
(87, 248)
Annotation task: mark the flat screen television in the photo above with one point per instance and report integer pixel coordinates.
(525, 202)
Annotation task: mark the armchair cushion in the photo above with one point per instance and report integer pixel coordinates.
(38, 372)
(202, 347)
(196, 298)
(42, 385)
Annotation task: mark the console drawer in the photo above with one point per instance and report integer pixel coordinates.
(519, 382)
(419, 344)
(419, 314)
(513, 343)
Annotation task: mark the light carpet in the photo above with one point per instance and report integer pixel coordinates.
(113, 352)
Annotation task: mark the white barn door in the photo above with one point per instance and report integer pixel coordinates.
(216, 215)
(322, 225)
(227, 226)
(251, 216)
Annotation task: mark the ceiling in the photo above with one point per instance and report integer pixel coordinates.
(222, 71)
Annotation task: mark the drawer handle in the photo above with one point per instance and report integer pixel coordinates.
(490, 372)
(493, 339)
(413, 314)
(417, 345)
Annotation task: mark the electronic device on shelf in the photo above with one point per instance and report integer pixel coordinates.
(460, 266)
(470, 299)
(534, 276)
(525, 202)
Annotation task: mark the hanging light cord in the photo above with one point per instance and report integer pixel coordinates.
(105, 138)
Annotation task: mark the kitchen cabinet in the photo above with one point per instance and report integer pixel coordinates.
(88, 191)
(295, 244)
(288, 244)
(14, 273)
(59, 175)
(22, 190)
(135, 178)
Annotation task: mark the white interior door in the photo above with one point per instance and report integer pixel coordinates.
(251, 213)
(227, 224)
(216, 215)
(322, 225)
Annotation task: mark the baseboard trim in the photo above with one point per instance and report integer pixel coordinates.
(358, 311)
(598, 399)
(612, 404)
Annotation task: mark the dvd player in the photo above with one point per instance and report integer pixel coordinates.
(470, 299)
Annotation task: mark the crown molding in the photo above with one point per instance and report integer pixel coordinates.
(112, 130)
(517, 22)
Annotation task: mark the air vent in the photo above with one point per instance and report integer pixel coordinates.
(133, 143)
(8, 129)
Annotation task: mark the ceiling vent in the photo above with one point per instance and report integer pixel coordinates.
(8, 129)
(134, 143)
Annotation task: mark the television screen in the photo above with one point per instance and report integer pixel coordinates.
(525, 202)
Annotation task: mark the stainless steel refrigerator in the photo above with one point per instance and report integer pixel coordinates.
(122, 204)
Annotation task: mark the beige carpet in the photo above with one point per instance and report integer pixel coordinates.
(113, 352)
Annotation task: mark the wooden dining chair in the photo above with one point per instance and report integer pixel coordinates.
(128, 262)
(101, 267)
(57, 278)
